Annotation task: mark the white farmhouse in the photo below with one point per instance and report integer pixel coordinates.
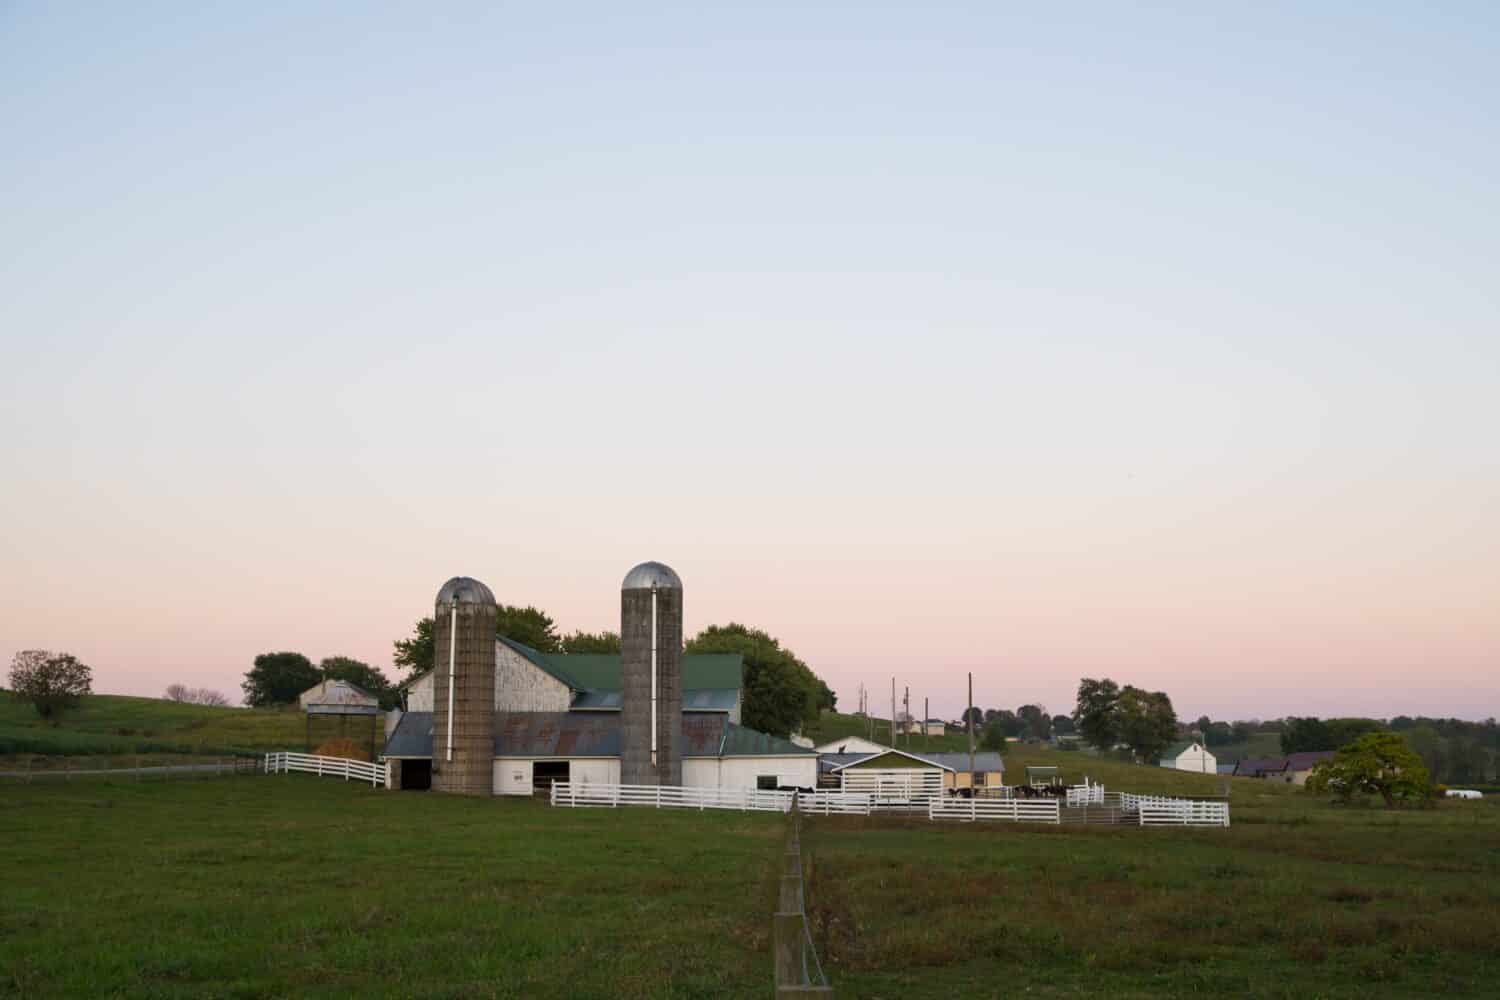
(1190, 755)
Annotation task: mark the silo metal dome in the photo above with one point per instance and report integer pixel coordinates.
(465, 590)
(652, 574)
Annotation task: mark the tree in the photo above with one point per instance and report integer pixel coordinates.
(1218, 734)
(976, 715)
(372, 679)
(415, 653)
(591, 642)
(1378, 763)
(52, 682)
(194, 696)
(1011, 724)
(1303, 734)
(1097, 713)
(278, 678)
(780, 691)
(528, 626)
(1148, 725)
(994, 737)
(1062, 725)
(1038, 723)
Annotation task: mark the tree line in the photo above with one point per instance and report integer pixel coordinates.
(780, 692)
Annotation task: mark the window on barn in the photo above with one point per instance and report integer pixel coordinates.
(978, 778)
(767, 782)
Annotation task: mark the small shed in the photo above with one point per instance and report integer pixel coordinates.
(1189, 755)
(343, 703)
(909, 776)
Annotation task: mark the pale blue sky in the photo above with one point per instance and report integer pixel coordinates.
(1158, 343)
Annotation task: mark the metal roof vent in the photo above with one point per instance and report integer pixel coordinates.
(465, 590)
(652, 574)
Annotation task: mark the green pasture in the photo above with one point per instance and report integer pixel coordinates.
(272, 886)
(120, 724)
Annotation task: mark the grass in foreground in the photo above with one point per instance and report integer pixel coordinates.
(300, 886)
(294, 885)
(1299, 899)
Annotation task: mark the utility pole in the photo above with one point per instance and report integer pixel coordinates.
(893, 713)
(926, 708)
(907, 709)
(970, 716)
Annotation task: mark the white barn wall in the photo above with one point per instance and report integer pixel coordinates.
(514, 775)
(740, 772)
(522, 686)
(419, 695)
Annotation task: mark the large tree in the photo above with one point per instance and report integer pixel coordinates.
(1148, 725)
(52, 682)
(528, 626)
(1097, 713)
(372, 679)
(278, 678)
(1062, 725)
(1038, 723)
(1377, 763)
(781, 693)
(591, 642)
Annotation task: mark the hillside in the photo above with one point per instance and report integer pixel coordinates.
(108, 723)
(835, 725)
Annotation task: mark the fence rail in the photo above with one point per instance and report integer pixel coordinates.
(835, 803)
(995, 810)
(1184, 812)
(575, 794)
(328, 767)
(1086, 795)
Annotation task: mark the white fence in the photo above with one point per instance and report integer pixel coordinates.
(1086, 795)
(1184, 812)
(328, 767)
(579, 793)
(896, 786)
(835, 803)
(995, 810)
(1158, 810)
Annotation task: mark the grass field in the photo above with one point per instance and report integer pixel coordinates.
(119, 724)
(294, 885)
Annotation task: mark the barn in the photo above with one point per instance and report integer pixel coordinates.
(534, 749)
(543, 717)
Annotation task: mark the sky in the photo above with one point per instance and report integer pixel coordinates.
(1156, 342)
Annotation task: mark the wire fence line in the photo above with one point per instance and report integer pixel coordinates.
(798, 971)
(127, 768)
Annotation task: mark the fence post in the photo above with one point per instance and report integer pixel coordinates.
(787, 930)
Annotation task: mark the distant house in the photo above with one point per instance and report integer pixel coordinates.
(1292, 769)
(1227, 767)
(934, 727)
(1189, 755)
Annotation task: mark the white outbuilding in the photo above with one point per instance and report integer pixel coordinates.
(1190, 755)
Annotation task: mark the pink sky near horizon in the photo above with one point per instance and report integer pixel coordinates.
(1150, 343)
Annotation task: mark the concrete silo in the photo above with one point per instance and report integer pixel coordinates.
(651, 696)
(463, 702)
